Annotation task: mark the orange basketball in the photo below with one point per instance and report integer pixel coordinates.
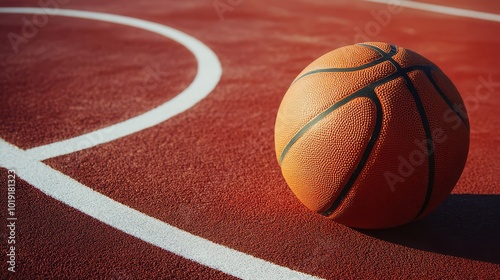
(372, 135)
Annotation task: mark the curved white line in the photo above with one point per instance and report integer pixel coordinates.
(207, 78)
(135, 223)
(441, 9)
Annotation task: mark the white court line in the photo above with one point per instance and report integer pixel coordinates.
(441, 9)
(207, 78)
(55, 184)
(126, 219)
(135, 223)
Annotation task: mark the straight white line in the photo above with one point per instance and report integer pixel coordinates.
(206, 79)
(151, 230)
(442, 9)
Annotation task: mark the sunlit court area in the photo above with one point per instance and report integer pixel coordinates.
(238, 139)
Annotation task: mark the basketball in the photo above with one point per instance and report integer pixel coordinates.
(372, 136)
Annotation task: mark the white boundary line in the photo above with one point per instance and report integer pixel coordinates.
(441, 9)
(55, 184)
(135, 223)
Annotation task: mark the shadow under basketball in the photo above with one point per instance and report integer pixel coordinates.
(464, 225)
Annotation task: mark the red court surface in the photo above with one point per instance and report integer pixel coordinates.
(194, 191)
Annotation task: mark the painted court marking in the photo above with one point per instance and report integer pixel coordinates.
(441, 9)
(29, 167)
(206, 79)
(135, 223)
(28, 163)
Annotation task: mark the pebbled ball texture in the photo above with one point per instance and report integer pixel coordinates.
(372, 135)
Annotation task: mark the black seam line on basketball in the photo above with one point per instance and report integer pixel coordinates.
(391, 52)
(364, 158)
(332, 108)
(388, 56)
(375, 134)
(428, 134)
(316, 119)
(359, 93)
(425, 125)
(394, 49)
(352, 179)
(351, 69)
(430, 144)
(337, 70)
(446, 99)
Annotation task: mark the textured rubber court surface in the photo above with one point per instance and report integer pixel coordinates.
(198, 193)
